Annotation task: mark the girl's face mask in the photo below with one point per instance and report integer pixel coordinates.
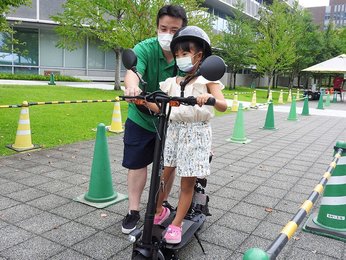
(165, 40)
(185, 63)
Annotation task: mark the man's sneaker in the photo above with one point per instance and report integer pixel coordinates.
(167, 205)
(130, 221)
(158, 220)
(173, 235)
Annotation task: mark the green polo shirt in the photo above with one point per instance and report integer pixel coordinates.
(153, 66)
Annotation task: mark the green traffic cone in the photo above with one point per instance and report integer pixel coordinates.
(238, 135)
(305, 111)
(269, 123)
(292, 116)
(320, 102)
(101, 193)
(51, 81)
(328, 100)
(331, 218)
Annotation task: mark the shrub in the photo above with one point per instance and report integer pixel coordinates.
(39, 77)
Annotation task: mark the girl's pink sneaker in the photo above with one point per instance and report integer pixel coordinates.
(173, 235)
(158, 220)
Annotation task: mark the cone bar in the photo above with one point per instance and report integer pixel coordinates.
(331, 218)
(101, 193)
(23, 136)
(116, 125)
(291, 227)
(238, 135)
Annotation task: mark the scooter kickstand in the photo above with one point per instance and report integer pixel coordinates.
(199, 242)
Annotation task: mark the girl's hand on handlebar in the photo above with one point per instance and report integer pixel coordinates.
(202, 99)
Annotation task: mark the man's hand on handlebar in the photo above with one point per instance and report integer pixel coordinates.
(132, 91)
(202, 99)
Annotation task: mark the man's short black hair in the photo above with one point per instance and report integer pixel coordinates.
(176, 11)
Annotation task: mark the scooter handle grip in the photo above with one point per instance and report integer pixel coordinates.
(210, 102)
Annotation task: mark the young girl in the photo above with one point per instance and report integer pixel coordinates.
(188, 139)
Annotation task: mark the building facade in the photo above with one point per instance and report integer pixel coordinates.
(335, 12)
(35, 27)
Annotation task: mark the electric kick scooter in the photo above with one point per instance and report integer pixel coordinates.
(148, 243)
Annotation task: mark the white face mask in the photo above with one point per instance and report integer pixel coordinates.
(165, 40)
(185, 63)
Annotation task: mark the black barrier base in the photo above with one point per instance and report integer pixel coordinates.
(311, 227)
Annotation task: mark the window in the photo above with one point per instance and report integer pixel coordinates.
(26, 52)
(6, 56)
(50, 55)
(76, 58)
(96, 56)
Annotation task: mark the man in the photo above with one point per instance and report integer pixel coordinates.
(155, 63)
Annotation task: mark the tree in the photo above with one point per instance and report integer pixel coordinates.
(237, 43)
(6, 39)
(5, 7)
(307, 41)
(117, 23)
(275, 48)
(342, 37)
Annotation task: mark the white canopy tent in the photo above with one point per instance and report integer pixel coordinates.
(334, 65)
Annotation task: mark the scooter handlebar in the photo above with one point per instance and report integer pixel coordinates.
(159, 97)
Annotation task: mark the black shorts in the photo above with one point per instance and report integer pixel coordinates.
(139, 145)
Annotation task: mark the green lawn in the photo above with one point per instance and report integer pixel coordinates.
(54, 125)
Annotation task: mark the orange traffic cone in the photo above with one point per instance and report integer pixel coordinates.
(116, 125)
(23, 136)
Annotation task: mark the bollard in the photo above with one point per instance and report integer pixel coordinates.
(235, 103)
(116, 125)
(305, 111)
(23, 140)
(101, 193)
(292, 116)
(238, 135)
(51, 81)
(269, 122)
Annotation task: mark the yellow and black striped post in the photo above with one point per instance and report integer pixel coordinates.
(288, 231)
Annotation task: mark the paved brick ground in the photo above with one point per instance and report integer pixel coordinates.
(278, 170)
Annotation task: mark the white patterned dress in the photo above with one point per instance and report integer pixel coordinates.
(189, 135)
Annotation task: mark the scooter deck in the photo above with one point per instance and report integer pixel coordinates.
(189, 229)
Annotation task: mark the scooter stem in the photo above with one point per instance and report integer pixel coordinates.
(155, 178)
